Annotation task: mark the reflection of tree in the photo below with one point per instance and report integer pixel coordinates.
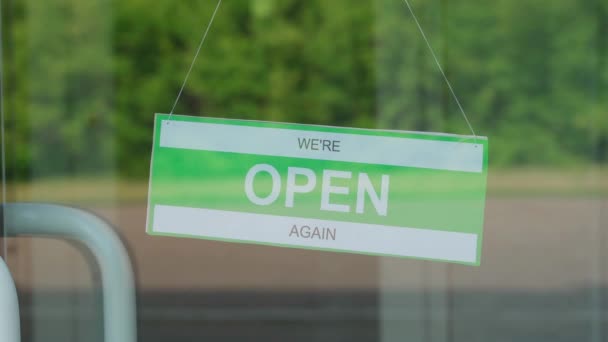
(525, 72)
(83, 78)
(61, 61)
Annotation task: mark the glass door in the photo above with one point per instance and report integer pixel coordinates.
(82, 80)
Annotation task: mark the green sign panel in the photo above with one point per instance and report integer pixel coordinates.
(391, 193)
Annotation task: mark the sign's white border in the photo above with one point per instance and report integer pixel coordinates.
(360, 237)
(280, 142)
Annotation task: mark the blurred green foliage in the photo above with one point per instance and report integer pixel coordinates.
(83, 78)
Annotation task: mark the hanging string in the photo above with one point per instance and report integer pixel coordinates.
(411, 10)
(464, 115)
(200, 45)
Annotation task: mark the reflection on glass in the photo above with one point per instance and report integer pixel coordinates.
(83, 79)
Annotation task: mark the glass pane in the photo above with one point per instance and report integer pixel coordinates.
(537, 90)
(82, 80)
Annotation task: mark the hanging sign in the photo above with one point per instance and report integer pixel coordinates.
(389, 193)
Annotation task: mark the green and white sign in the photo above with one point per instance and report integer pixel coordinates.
(392, 193)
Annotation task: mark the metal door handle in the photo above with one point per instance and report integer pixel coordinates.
(9, 307)
(45, 220)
